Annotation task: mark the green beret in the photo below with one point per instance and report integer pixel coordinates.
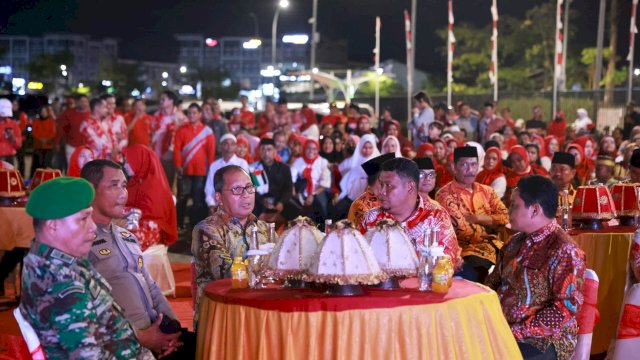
(59, 198)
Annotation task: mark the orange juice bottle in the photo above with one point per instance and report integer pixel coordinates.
(239, 274)
(440, 282)
(450, 269)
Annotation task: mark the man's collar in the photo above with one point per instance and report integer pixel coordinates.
(542, 233)
(227, 218)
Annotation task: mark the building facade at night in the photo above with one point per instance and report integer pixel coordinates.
(19, 50)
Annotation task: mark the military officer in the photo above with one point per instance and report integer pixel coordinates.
(67, 303)
(116, 255)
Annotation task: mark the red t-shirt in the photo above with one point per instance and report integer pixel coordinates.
(69, 126)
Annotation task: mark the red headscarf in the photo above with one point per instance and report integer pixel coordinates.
(243, 140)
(486, 176)
(80, 156)
(547, 142)
(542, 147)
(512, 176)
(602, 152)
(582, 141)
(149, 190)
(585, 167)
(306, 173)
(424, 147)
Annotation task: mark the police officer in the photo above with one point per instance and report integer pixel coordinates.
(116, 255)
(67, 302)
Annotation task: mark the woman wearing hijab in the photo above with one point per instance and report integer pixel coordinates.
(534, 159)
(520, 166)
(393, 128)
(328, 150)
(149, 191)
(349, 149)
(80, 156)
(354, 182)
(295, 147)
(243, 149)
(391, 145)
(551, 145)
(311, 177)
(557, 128)
(426, 150)
(585, 167)
(492, 172)
(608, 146)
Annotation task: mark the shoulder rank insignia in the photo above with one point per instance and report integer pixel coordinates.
(125, 234)
(99, 242)
(70, 290)
(140, 262)
(105, 252)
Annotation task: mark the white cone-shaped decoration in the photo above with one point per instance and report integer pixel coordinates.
(393, 249)
(294, 249)
(345, 258)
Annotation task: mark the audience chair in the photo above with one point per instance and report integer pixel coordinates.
(30, 337)
(156, 260)
(588, 316)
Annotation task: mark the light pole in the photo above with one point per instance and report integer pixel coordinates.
(314, 27)
(283, 4)
(255, 23)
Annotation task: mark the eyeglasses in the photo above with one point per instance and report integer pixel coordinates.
(427, 175)
(238, 190)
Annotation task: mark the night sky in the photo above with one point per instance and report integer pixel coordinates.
(145, 27)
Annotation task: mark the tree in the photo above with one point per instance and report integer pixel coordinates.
(46, 68)
(124, 77)
(388, 87)
(215, 82)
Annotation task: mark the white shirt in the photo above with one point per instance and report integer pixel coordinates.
(320, 173)
(209, 189)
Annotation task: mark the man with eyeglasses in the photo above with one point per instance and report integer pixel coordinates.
(477, 213)
(224, 235)
(427, 178)
(400, 201)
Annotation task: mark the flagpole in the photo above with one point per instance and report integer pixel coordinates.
(407, 31)
(632, 36)
(377, 66)
(493, 70)
(558, 55)
(450, 47)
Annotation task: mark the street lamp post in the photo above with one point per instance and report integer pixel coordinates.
(283, 4)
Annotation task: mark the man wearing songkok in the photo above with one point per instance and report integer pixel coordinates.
(228, 144)
(224, 235)
(562, 173)
(116, 255)
(400, 201)
(634, 166)
(273, 179)
(427, 178)
(476, 213)
(65, 300)
(539, 274)
(604, 170)
(194, 150)
(369, 199)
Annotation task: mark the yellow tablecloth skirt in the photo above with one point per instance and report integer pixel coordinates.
(472, 327)
(608, 255)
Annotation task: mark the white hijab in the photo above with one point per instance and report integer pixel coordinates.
(394, 139)
(354, 182)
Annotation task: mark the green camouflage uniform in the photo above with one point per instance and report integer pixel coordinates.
(69, 306)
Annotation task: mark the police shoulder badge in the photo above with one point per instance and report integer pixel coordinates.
(104, 252)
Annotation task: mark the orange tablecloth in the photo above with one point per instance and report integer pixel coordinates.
(607, 253)
(16, 228)
(276, 323)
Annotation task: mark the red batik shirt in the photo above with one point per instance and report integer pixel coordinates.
(426, 216)
(539, 278)
(97, 137)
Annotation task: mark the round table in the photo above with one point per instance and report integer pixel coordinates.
(276, 323)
